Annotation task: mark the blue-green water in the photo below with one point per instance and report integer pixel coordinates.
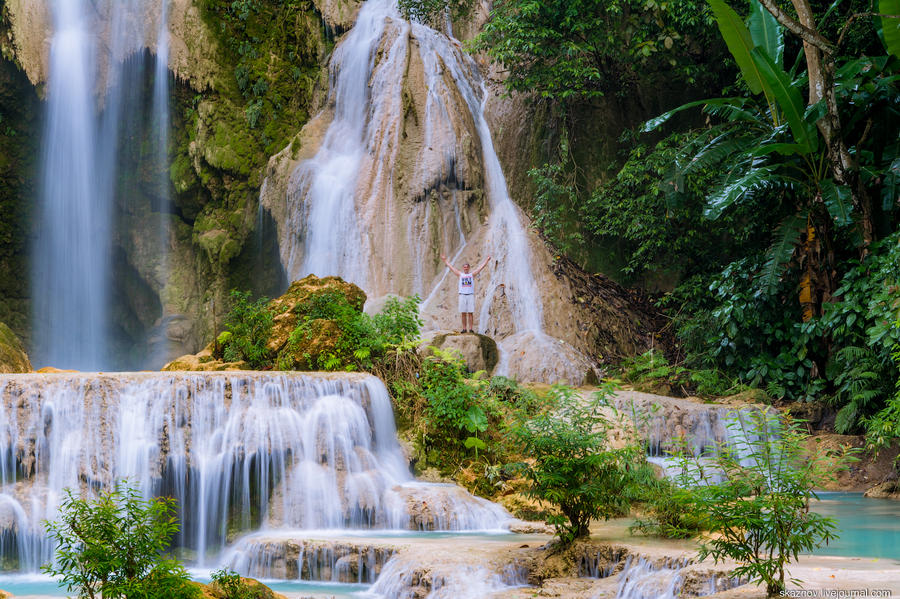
(868, 527)
(36, 585)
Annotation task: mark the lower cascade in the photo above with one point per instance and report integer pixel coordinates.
(279, 455)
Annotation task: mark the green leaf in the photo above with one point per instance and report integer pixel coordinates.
(731, 192)
(740, 43)
(476, 443)
(789, 100)
(838, 201)
(765, 32)
(891, 188)
(786, 239)
(890, 27)
(656, 122)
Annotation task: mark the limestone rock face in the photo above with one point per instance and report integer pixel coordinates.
(338, 14)
(12, 355)
(479, 351)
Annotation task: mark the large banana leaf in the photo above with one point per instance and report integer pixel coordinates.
(737, 38)
(838, 201)
(789, 100)
(656, 122)
(765, 32)
(786, 239)
(731, 192)
(890, 26)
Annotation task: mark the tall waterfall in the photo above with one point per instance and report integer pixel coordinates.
(344, 213)
(90, 96)
(238, 451)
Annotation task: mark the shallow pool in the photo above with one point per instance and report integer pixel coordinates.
(868, 527)
(28, 586)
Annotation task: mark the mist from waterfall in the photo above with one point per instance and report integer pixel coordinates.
(91, 96)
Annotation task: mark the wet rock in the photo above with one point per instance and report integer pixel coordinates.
(889, 489)
(339, 15)
(532, 356)
(478, 351)
(13, 358)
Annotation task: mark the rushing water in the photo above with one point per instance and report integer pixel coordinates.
(241, 451)
(90, 94)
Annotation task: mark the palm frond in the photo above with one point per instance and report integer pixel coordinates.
(786, 239)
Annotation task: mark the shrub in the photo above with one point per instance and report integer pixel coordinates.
(759, 515)
(250, 324)
(228, 584)
(571, 465)
(113, 546)
(670, 512)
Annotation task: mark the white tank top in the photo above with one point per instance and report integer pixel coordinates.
(467, 284)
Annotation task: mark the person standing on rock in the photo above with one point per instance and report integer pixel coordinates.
(467, 292)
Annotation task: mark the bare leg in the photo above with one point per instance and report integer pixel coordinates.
(471, 322)
(463, 314)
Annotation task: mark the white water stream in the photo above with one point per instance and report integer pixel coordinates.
(342, 211)
(89, 98)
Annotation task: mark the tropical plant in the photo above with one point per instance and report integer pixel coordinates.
(113, 546)
(755, 495)
(249, 323)
(571, 465)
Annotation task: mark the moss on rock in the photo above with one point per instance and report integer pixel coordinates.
(13, 358)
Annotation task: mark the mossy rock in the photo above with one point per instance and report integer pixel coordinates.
(288, 309)
(307, 352)
(13, 358)
(257, 589)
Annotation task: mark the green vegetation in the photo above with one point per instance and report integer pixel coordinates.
(580, 48)
(227, 584)
(114, 546)
(432, 12)
(771, 231)
(357, 340)
(249, 324)
(759, 515)
(571, 465)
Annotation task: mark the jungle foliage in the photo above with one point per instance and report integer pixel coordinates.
(772, 229)
(114, 546)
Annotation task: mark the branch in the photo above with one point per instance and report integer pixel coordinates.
(846, 26)
(808, 35)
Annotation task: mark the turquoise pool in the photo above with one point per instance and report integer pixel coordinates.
(868, 527)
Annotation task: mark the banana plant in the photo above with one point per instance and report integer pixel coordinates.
(771, 145)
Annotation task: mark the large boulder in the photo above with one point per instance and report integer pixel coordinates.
(13, 358)
(288, 311)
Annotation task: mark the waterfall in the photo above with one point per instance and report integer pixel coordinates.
(345, 213)
(238, 451)
(91, 95)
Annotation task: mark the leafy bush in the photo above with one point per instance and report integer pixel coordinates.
(361, 341)
(883, 428)
(670, 511)
(113, 546)
(571, 465)
(250, 324)
(759, 515)
(228, 584)
(432, 12)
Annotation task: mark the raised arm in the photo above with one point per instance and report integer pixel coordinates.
(481, 266)
(450, 266)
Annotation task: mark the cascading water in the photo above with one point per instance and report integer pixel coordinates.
(90, 96)
(238, 451)
(337, 198)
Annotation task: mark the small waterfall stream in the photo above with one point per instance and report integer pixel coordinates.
(91, 95)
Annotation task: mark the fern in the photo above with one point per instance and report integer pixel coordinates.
(780, 253)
